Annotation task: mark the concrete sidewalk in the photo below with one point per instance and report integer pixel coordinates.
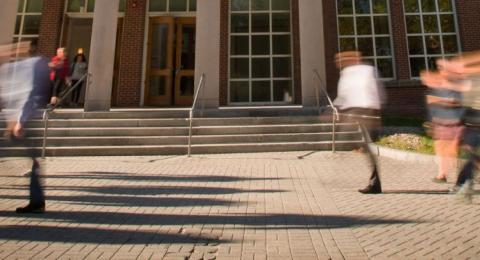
(238, 206)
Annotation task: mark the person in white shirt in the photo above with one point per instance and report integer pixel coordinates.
(359, 98)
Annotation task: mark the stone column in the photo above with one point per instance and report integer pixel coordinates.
(8, 12)
(312, 47)
(102, 56)
(207, 55)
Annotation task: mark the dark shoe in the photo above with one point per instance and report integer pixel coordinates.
(437, 180)
(38, 209)
(375, 189)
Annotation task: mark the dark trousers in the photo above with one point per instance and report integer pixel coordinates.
(77, 91)
(472, 140)
(369, 122)
(37, 195)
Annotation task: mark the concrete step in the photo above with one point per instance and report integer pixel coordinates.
(183, 140)
(182, 149)
(172, 122)
(179, 131)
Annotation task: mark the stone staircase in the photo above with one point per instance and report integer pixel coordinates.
(165, 132)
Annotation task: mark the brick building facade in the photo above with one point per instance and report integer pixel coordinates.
(257, 52)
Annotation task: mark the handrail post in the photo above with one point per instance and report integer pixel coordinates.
(45, 131)
(190, 134)
(334, 125)
(201, 83)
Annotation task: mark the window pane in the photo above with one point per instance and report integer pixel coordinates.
(450, 45)
(260, 5)
(380, 6)
(430, 23)
(157, 6)
(281, 22)
(282, 67)
(157, 86)
(20, 6)
(364, 26)
(381, 25)
(415, 45)
(240, 5)
(347, 44)
(239, 68)
(411, 6)
(281, 5)
(385, 68)
(91, 6)
(282, 91)
(239, 91)
(428, 6)
(18, 24)
(345, 6)
(433, 45)
(31, 24)
(365, 45)
(34, 6)
(281, 44)
(260, 23)
(261, 68)
(75, 5)
(362, 6)
(447, 22)
(413, 24)
(261, 45)
(417, 65)
(432, 63)
(261, 91)
(445, 5)
(193, 5)
(178, 5)
(239, 45)
(158, 55)
(122, 5)
(382, 45)
(239, 23)
(345, 25)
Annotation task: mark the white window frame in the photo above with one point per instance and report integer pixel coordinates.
(83, 13)
(373, 35)
(440, 34)
(186, 13)
(271, 79)
(20, 36)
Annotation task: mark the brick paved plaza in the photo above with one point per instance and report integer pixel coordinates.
(239, 206)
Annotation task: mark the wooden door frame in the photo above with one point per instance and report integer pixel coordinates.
(164, 101)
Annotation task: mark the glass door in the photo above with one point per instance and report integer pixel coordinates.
(160, 62)
(185, 61)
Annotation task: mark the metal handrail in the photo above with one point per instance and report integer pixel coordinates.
(201, 85)
(335, 114)
(50, 109)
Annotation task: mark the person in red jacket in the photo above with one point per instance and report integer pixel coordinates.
(59, 74)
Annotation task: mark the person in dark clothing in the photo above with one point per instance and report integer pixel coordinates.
(25, 88)
(79, 69)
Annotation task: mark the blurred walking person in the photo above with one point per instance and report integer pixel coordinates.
(59, 74)
(468, 66)
(359, 98)
(444, 101)
(24, 89)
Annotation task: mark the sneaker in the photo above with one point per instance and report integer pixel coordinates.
(454, 189)
(37, 209)
(465, 194)
(376, 189)
(441, 180)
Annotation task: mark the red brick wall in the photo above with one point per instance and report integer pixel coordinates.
(399, 39)
(50, 26)
(331, 44)
(131, 54)
(468, 14)
(224, 38)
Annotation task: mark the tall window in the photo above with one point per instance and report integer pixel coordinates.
(260, 63)
(431, 33)
(87, 6)
(27, 25)
(364, 25)
(172, 5)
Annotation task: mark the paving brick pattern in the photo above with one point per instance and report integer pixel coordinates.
(240, 206)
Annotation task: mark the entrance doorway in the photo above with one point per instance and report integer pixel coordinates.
(171, 62)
